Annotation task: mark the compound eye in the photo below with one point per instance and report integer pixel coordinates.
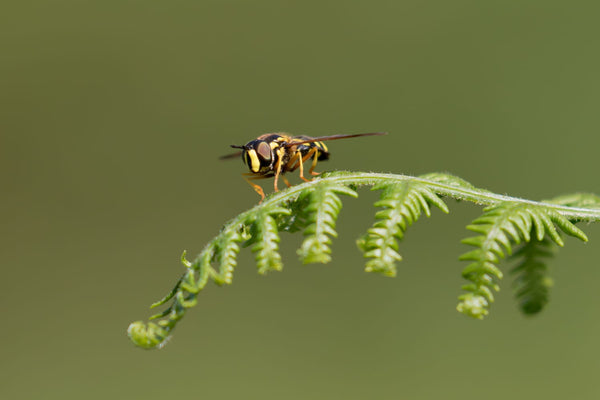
(264, 151)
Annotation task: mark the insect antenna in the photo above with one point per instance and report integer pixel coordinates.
(233, 155)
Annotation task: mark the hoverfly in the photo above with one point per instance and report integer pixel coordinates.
(274, 154)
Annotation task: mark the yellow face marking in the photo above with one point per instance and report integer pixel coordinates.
(254, 161)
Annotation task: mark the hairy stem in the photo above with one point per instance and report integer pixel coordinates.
(475, 195)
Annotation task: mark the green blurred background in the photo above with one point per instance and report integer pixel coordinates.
(113, 114)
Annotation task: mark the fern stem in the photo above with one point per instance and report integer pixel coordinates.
(475, 195)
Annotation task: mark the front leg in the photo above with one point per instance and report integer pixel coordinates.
(256, 188)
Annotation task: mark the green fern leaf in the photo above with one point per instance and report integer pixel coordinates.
(169, 296)
(296, 219)
(321, 212)
(402, 205)
(587, 200)
(314, 206)
(147, 336)
(500, 226)
(226, 249)
(265, 238)
(532, 283)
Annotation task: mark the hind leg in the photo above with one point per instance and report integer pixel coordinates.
(312, 152)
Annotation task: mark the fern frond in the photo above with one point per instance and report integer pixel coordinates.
(147, 336)
(296, 219)
(532, 283)
(265, 238)
(499, 227)
(322, 209)
(225, 255)
(313, 207)
(402, 205)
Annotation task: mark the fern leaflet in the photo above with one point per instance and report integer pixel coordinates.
(265, 239)
(225, 255)
(499, 226)
(322, 209)
(402, 205)
(532, 283)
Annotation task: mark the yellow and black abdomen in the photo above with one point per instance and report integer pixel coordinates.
(323, 151)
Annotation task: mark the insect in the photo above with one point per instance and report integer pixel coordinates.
(274, 154)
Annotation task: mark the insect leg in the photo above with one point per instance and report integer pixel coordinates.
(257, 188)
(278, 168)
(294, 159)
(311, 152)
(288, 184)
(314, 164)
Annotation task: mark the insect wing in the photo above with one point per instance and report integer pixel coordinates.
(305, 139)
